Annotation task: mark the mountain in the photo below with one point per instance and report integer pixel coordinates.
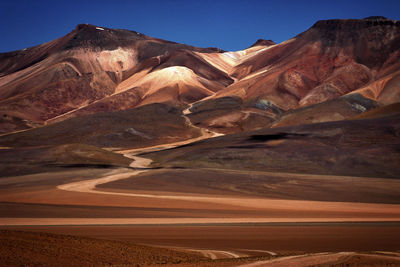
(333, 58)
(90, 68)
(335, 70)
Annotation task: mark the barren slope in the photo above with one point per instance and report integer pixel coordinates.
(331, 59)
(354, 148)
(95, 69)
(43, 82)
(43, 249)
(145, 126)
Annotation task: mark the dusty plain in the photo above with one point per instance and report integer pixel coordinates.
(212, 222)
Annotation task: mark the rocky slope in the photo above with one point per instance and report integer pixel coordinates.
(334, 70)
(84, 71)
(331, 59)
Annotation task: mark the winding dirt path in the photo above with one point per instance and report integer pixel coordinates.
(326, 259)
(381, 212)
(205, 133)
(209, 253)
(360, 212)
(218, 254)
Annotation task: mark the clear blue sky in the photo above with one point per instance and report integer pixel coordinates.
(227, 24)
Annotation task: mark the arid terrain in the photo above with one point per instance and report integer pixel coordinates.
(118, 148)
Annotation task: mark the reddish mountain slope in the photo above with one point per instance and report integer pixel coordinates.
(87, 65)
(331, 59)
(95, 69)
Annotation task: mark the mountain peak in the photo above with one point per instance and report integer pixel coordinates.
(92, 36)
(376, 18)
(84, 26)
(263, 42)
(357, 37)
(337, 24)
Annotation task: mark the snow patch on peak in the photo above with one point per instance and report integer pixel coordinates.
(99, 28)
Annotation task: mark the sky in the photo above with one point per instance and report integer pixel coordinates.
(228, 24)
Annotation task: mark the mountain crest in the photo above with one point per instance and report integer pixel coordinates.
(96, 69)
(263, 42)
(352, 24)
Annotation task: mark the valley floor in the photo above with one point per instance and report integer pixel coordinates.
(212, 220)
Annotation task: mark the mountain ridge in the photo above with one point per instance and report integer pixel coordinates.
(96, 69)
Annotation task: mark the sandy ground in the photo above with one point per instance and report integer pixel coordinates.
(22, 248)
(177, 221)
(216, 254)
(359, 211)
(215, 226)
(268, 210)
(281, 239)
(345, 258)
